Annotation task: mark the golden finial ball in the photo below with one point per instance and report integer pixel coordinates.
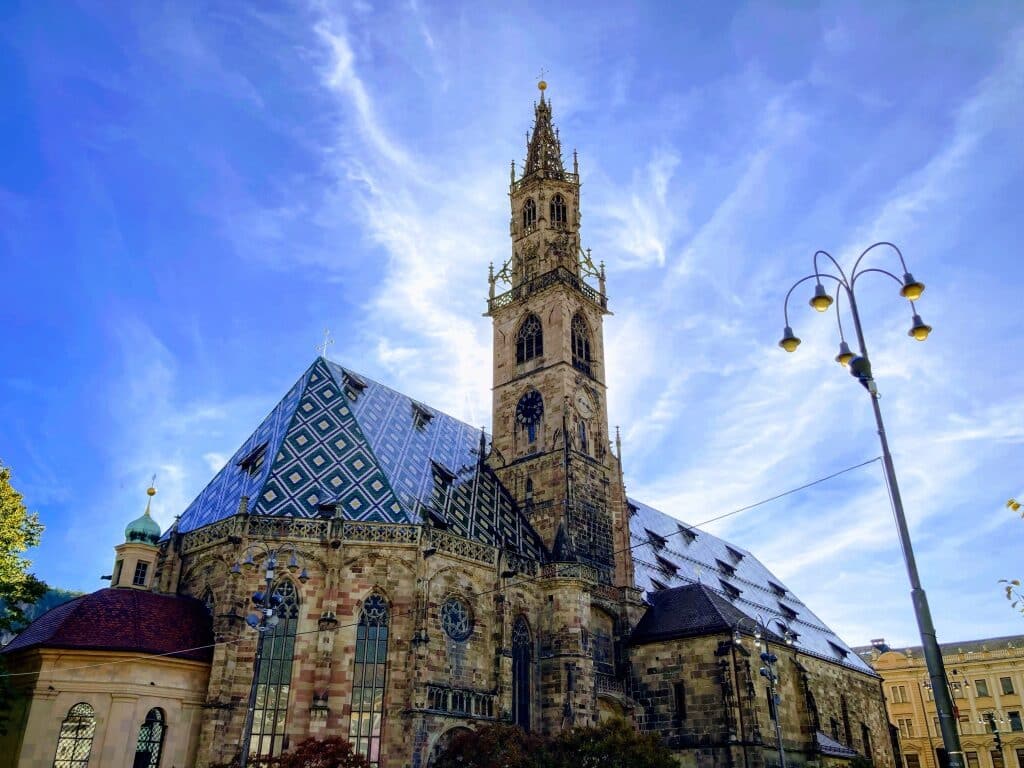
(151, 491)
(542, 85)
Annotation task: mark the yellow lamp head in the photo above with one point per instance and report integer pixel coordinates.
(1013, 504)
(845, 355)
(789, 342)
(821, 301)
(919, 330)
(911, 288)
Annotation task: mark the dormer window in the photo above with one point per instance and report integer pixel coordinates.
(734, 553)
(689, 535)
(253, 462)
(656, 540)
(529, 214)
(666, 566)
(788, 612)
(658, 586)
(731, 591)
(421, 416)
(778, 589)
(557, 211)
(725, 568)
(354, 386)
(838, 650)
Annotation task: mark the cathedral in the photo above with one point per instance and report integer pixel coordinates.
(368, 566)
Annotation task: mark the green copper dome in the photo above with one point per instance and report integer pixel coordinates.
(144, 529)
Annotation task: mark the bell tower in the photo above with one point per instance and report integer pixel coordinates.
(550, 415)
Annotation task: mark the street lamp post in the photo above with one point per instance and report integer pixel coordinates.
(768, 669)
(860, 368)
(264, 619)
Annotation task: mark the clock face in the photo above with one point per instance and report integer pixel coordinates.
(584, 405)
(530, 408)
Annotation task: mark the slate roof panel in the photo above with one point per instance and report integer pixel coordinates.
(698, 561)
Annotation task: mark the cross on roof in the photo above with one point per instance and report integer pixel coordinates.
(328, 341)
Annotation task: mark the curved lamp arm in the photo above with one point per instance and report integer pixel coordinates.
(870, 248)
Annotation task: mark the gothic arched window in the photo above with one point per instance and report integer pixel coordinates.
(521, 657)
(557, 210)
(530, 339)
(529, 213)
(583, 438)
(580, 344)
(75, 741)
(151, 740)
(273, 684)
(370, 675)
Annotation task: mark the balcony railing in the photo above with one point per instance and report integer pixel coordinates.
(557, 276)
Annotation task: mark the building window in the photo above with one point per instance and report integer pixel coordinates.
(253, 462)
(997, 758)
(898, 694)
(1015, 723)
(529, 213)
(530, 340)
(865, 740)
(151, 740)
(273, 684)
(75, 741)
(1020, 758)
(557, 211)
(913, 761)
(117, 573)
(580, 344)
(972, 760)
(981, 687)
(583, 438)
(139, 579)
(1007, 685)
(457, 619)
(370, 676)
(521, 656)
(679, 696)
(529, 494)
(906, 726)
(833, 727)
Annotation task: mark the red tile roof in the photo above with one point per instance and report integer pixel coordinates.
(124, 620)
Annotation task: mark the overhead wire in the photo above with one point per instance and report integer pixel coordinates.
(518, 580)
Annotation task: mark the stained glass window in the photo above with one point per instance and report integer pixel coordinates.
(529, 213)
(580, 344)
(369, 678)
(521, 657)
(273, 686)
(457, 619)
(151, 740)
(75, 741)
(530, 341)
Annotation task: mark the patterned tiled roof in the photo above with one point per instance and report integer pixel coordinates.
(341, 441)
(129, 620)
(678, 555)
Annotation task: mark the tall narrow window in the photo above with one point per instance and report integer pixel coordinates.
(529, 493)
(139, 578)
(521, 657)
(75, 741)
(557, 211)
(679, 695)
(151, 740)
(369, 678)
(529, 213)
(583, 438)
(580, 344)
(273, 685)
(865, 740)
(530, 340)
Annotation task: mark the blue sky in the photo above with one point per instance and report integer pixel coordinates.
(191, 192)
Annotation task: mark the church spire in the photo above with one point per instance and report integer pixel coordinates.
(544, 152)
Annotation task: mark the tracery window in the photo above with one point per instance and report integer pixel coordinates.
(273, 684)
(580, 344)
(457, 619)
(521, 656)
(75, 741)
(529, 213)
(557, 210)
(370, 675)
(530, 340)
(151, 740)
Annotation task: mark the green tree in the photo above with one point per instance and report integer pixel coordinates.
(19, 530)
(491, 746)
(332, 752)
(1012, 586)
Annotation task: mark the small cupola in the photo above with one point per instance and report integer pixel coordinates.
(135, 559)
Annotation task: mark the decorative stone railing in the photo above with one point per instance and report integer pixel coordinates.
(606, 684)
(558, 275)
(461, 701)
(572, 178)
